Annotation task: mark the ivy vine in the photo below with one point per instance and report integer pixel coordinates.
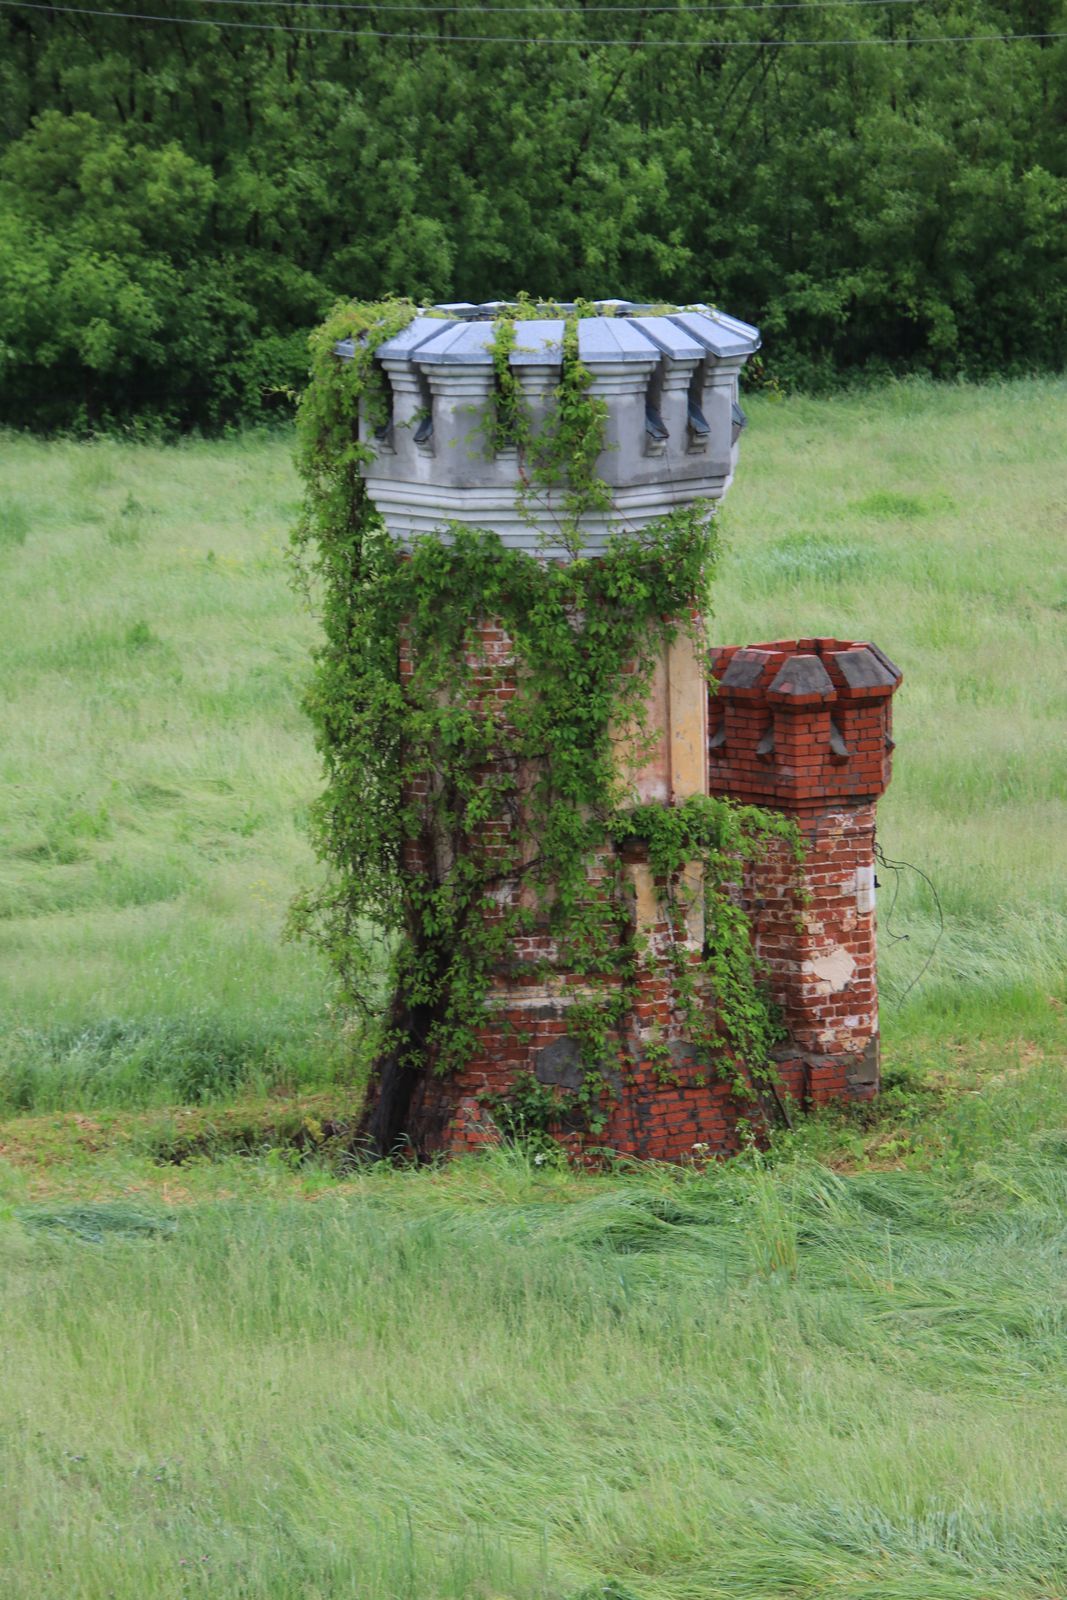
(520, 819)
(561, 456)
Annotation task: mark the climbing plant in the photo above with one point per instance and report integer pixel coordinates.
(470, 804)
(557, 462)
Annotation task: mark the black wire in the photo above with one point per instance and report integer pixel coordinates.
(433, 8)
(887, 926)
(895, 866)
(902, 41)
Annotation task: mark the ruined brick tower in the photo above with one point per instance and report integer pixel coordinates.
(802, 726)
(805, 726)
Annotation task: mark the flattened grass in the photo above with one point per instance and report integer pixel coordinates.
(750, 1383)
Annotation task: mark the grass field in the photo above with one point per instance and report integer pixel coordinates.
(831, 1372)
(156, 766)
(509, 1384)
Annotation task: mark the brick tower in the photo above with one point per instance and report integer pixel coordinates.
(800, 726)
(805, 726)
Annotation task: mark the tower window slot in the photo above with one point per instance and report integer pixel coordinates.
(738, 422)
(383, 423)
(765, 748)
(424, 422)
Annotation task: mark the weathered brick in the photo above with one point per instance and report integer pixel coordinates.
(820, 957)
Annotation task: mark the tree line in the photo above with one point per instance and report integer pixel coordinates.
(181, 200)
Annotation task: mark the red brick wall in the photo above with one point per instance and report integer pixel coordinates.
(815, 932)
(805, 726)
(802, 726)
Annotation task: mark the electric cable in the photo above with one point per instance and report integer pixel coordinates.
(581, 44)
(433, 10)
(885, 925)
(895, 867)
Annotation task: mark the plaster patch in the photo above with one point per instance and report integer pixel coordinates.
(835, 968)
(692, 886)
(647, 907)
(687, 690)
(865, 890)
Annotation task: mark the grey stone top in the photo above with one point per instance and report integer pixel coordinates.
(463, 332)
(669, 379)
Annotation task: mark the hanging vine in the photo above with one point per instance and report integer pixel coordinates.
(502, 782)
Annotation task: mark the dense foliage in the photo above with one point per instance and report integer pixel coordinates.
(180, 200)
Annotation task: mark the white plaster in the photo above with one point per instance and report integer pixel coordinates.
(448, 362)
(835, 968)
(864, 890)
(646, 899)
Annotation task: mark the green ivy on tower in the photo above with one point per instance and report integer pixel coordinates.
(425, 759)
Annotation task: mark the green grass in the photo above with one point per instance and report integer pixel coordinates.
(933, 519)
(156, 767)
(234, 1365)
(751, 1383)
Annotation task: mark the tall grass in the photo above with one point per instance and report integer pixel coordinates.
(767, 1381)
(755, 1382)
(156, 768)
(933, 518)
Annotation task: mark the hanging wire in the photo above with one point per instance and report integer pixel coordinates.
(431, 9)
(885, 924)
(896, 867)
(496, 39)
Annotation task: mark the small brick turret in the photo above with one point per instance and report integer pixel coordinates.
(805, 726)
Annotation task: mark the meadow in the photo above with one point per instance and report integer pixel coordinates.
(500, 1382)
(834, 1368)
(156, 766)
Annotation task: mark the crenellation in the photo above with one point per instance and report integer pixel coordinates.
(669, 383)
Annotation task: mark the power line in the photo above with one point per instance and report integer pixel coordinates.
(482, 38)
(432, 9)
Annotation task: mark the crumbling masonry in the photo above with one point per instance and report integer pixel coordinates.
(801, 725)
